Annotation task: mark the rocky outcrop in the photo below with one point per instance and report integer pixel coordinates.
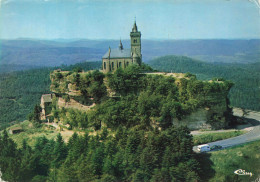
(209, 111)
(73, 104)
(210, 117)
(202, 119)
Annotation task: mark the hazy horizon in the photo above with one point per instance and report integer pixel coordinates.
(85, 39)
(112, 20)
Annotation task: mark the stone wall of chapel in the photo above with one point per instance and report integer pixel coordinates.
(114, 64)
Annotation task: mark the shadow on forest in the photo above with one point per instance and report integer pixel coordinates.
(242, 123)
(253, 122)
(206, 170)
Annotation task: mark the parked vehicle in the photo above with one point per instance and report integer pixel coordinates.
(215, 147)
(203, 148)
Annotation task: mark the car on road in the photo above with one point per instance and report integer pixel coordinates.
(203, 148)
(215, 147)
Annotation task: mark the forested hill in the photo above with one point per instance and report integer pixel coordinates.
(245, 92)
(20, 91)
(24, 54)
(126, 136)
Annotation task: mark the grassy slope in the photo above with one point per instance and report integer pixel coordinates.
(212, 137)
(30, 134)
(220, 165)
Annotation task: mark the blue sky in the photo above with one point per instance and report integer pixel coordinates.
(112, 19)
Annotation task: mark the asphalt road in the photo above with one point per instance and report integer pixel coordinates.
(253, 135)
(248, 137)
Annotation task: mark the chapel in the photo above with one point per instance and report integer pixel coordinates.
(121, 57)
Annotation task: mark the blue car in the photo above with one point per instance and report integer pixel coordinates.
(215, 147)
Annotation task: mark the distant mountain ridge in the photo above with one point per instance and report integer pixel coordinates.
(54, 53)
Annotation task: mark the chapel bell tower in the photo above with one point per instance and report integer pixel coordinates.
(136, 43)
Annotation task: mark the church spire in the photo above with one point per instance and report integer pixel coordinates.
(134, 29)
(120, 45)
(109, 51)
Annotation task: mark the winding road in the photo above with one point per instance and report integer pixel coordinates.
(253, 135)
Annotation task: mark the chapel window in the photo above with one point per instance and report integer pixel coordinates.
(105, 66)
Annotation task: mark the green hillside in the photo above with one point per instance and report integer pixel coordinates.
(126, 154)
(220, 165)
(20, 91)
(133, 136)
(246, 77)
(128, 136)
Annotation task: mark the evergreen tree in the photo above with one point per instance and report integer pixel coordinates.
(60, 152)
(97, 160)
(35, 116)
(9, 159)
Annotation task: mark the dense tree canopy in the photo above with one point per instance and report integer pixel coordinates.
(143, 99)
(21, 91)
(129, 155)
(134, 138)
(246, 77)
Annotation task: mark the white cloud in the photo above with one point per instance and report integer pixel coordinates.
(257, 3)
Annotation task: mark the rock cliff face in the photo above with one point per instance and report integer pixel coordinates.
(212, 115)
(64, 82)
(196, 120)
(202, 119)
(68, 94)
(73, 104)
